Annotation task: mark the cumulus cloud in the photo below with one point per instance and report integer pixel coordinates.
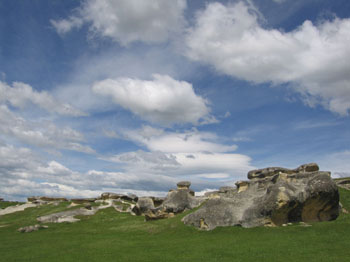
(43, 134)
(312, 59)
(126, 21)
(24, 174)
(21, 95)
(163, 100)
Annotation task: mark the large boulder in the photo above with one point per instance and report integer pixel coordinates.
(143, 205)
(179, 200)
(272, 197)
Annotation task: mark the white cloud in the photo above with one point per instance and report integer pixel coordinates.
(25, 174)
(21, 95)
(175, 142)
(43, 134)
(190, 154)
(149, 160)
(313, 59)
(126, 21)
(163, 100)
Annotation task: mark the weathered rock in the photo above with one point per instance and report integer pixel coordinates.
(212, 194)
(130, 197)
(69, 215)
(180, 200)
(271, 171)
(143, 205)
(343, 182)
(183, 185)
(225, 189)
(17, 208)
(159, 214)
(273, 196)
(108, 195)
(66, 216)
(158, 201)
(29, 229)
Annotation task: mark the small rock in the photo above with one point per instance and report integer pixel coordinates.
(129, 197)
(29, 229)
(183, 185)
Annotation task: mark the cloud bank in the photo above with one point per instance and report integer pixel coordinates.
(126, 21)
(312, 59)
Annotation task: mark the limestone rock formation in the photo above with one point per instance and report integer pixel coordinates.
(17, 208)
(272, 197)
(177, 201)
(181, 199)
(143, 205)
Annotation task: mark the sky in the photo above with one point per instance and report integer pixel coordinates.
(133, 96)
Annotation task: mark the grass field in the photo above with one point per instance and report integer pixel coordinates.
(112, 236)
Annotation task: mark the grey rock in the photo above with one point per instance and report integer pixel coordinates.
(130, 197)
(29, 229)
(66, 216)
(143, 205)
(183, 185)
(343, 182)
(108, 195)
(158, 201)
(225, 189)
(271, 171)
(272, 200)
(179, 200)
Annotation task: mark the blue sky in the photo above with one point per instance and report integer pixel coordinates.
(130, 96)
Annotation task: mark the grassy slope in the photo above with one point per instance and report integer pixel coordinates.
(111, 236)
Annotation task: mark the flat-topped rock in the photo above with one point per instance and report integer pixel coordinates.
(293, 195)
(183, 185)
(271, 171)
(109, 195)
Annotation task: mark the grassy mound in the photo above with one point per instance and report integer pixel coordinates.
(112, 236)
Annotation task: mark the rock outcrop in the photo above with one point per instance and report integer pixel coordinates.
(17, 208)
(272, 197)
(343, 182)
(177, 201)
(29, 229)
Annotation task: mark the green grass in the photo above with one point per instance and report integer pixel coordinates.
(112, 236)
(4, 204)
